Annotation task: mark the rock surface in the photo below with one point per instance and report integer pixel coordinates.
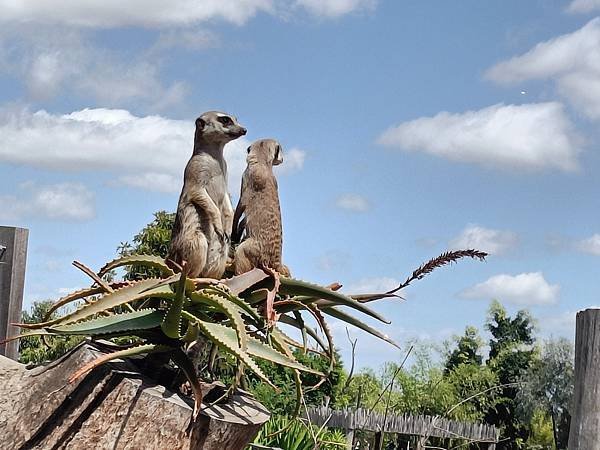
(113, 407)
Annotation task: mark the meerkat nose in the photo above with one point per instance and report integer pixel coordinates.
(243, 131)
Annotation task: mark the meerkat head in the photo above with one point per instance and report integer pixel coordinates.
(218, 127)
(267, 151)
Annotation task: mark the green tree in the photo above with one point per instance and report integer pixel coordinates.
(467, 351)
(153, 239)
(32, 349)
(548, 386)
(512, 352)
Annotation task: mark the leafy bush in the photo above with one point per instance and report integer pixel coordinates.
(294, 434)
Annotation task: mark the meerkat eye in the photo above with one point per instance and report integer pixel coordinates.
(225, 120)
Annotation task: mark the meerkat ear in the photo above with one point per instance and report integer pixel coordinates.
(248, 149)
(200, 123)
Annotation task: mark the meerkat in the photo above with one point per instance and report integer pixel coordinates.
(259, 203)
(201, 232)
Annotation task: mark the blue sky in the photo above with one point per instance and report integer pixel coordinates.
(409, 128)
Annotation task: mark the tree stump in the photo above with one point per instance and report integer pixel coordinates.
(585, 421)
(113, 407)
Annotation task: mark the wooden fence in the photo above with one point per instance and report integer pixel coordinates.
(423, 426)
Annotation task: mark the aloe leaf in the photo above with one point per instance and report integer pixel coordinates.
(171, 324)
(279, 340)
(138, 350)
(26, 334)
(244, 307)
(191, 334)
(144, 319)
(293, 287)
(334, 312)
(261, 350)
(189, 283)
(230, 310)
(227, 338)
(284, 318)
(240, 283)
(77, 295)
(300, 320)
(155, 262)
(293, 343)
(183, 362)
(257, 296)
(132, 292)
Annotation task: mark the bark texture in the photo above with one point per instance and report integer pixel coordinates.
(113, 407)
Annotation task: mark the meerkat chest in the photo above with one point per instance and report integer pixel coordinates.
(211, 174)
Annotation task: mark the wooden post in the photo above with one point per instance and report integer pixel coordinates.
(350, 439)
(585, 420)
(378, 444)
(13, 256)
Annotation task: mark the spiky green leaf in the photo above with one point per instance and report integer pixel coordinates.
(171, 324)
(155, 262)
(227, 339)
(347, 318)
(127, 294)
(144, 319)
(294, 287)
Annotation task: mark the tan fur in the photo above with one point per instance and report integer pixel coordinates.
(204, 217)
(259, 202)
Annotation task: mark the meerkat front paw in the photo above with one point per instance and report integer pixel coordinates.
(218, 229)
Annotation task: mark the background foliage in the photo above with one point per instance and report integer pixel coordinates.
(520, 385)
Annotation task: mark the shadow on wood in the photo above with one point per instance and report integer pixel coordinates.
(113, 407)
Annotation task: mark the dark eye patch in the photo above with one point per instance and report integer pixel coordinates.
(224, 120)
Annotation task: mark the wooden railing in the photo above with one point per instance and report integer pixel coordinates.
(423, 426)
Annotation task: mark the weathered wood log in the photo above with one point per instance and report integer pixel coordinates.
(585, 419)
(113, 407)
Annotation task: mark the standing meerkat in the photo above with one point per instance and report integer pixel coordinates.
(201, 232)
(259, 202)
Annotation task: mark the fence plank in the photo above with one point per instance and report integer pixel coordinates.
(13, 257)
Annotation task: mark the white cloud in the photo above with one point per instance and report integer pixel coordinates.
(571, 60)
(590, 245)
(147, 13)
(529, 136)
(583, 6)
(64, 201)
(494, 242)
(51, 62)
(161, 14)
(527, 289)
(293, 160)
(335, 8)
(147, 152)
(353, 202)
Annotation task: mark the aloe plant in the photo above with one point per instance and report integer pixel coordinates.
(238, 315)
